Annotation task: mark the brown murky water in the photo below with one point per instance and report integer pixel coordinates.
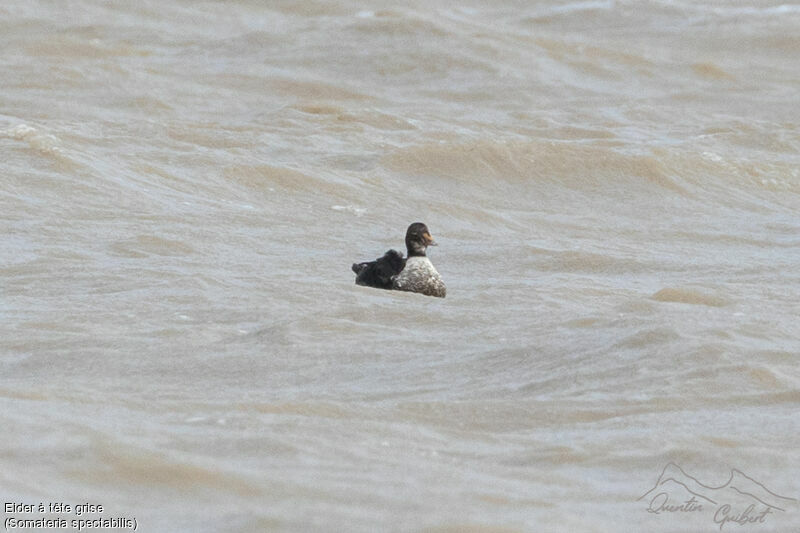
(615, 190)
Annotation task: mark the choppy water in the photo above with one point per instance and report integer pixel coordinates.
(614, 187)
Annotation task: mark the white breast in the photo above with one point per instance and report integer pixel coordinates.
(419, 275)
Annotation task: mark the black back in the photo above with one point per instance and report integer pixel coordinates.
(379, 273)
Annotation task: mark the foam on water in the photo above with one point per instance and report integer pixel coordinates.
(45, 143)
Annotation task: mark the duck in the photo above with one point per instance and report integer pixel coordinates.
(413, 273)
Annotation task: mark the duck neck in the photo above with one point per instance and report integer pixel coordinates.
(414, 251)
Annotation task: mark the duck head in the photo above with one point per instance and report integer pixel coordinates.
(418, 238)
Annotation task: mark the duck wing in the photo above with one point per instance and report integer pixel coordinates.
(381, 272)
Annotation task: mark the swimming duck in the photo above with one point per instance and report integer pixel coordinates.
(414, 273)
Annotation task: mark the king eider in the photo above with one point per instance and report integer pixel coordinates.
(413, 274)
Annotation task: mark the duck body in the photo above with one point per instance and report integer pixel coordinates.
(415, 273)
(419, 275)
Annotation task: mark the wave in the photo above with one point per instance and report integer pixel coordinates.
(690, 296)
(563, 163)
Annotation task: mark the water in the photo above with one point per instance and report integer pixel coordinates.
(614, 187)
